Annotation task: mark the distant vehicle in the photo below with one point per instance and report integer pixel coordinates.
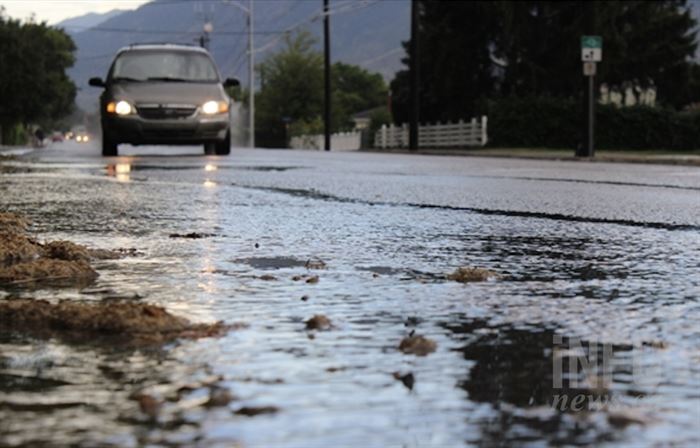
(57, 137)
(165, 94)
(82, 138)
(80, 134)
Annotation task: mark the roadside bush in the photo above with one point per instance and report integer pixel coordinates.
(546, 122)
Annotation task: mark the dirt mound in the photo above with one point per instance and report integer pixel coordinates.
(9, 222)
(48, 270)
(471, 274)
(65, 250)
(417, 345)
(128, 321)
(24, 261)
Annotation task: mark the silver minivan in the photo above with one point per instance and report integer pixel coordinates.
(166, 94)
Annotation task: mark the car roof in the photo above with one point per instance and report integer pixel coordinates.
(163, 46)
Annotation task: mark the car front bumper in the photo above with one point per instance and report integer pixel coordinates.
(137, 130)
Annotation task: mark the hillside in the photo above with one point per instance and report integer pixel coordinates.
(76, 24)
(366, 33)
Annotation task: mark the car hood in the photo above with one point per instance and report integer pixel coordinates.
(168, 92)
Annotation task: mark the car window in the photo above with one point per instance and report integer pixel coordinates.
(163, 65)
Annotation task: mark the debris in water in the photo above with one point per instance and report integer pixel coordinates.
(626, 417)
(417, 345)
(250, 411)
(113, 254)
(192, 235)
(219, 397)
(304, 298)
(655, 344)
(471, 274)
(267, 277)
(66, 250)
(148, 404)
(315, 263)
(318, 322)
(127, 321)
(408, 379)
(312, 280)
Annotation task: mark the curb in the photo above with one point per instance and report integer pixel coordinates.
(686, 160)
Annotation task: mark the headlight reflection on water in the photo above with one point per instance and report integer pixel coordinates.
(120, 171)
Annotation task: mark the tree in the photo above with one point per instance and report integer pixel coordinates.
(474, 51)
(34, 86)
(292, 89)
(291, 98)
(354, 90)
(455, 63)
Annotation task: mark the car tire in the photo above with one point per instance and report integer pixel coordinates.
(210, 149)
(109, 146)
(224, 148)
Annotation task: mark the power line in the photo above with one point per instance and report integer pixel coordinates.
(141, 31)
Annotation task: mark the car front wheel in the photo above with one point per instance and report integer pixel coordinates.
(224, 148)
(221, 148)
(109, 146)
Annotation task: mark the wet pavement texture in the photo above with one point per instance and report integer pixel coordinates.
(597, 263)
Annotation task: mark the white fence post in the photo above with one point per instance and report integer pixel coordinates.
(384, 142)
(438, 135)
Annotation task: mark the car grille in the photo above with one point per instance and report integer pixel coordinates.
(169, 133)
(165, 112)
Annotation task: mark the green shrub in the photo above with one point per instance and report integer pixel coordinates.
(545, 122)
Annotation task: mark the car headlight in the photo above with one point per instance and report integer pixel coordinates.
(214, 107)
(120, 108)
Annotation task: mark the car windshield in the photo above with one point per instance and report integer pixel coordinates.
(157, 65)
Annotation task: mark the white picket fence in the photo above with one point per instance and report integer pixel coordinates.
(343, 141)
(449, 135)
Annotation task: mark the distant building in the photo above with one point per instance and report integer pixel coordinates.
(632, 96)
(363, 119)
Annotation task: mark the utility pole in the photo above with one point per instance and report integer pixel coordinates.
(414, 75)
(251, 78)
(327, 76)
(589, 57)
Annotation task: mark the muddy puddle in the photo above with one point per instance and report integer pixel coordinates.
(616, 300)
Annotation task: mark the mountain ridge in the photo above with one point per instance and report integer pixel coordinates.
(366, 33)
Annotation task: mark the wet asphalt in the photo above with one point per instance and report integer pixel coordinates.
(594, 253)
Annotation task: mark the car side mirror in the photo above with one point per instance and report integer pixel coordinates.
(231, 82)
(96, 82)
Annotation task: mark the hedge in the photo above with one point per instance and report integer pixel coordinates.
(544, 122)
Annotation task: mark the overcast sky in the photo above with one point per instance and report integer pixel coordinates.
(53, 11)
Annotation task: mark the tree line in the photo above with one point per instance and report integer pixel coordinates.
(34, 87)
(472, 53)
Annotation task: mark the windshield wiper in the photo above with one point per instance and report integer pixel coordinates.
(167, 79)
(125, 78)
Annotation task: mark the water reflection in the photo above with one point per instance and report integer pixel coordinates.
(93, 385)
(541, 386)
(120, 171)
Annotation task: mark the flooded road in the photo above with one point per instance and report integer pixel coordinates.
(588, 336)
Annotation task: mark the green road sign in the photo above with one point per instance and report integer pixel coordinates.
(591, 42)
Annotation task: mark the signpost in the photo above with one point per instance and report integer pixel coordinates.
(591, 53)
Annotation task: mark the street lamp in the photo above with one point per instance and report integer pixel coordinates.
(251, 72)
